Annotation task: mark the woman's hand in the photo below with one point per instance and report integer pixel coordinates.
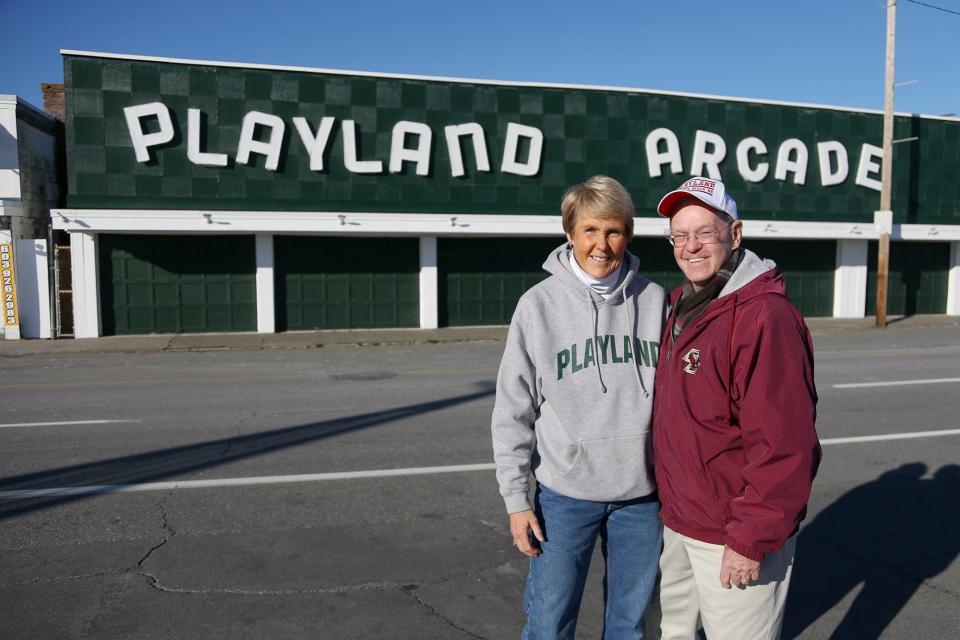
(522, 523)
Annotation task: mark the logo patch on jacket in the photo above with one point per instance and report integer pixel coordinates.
(693, 361)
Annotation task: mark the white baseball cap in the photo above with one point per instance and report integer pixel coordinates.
(711, 192)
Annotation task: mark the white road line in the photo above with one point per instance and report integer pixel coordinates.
(61, 423)
(893, 383)
(355, 475)
(893, 436)
(240, 482)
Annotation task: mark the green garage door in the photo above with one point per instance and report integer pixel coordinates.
(173, 284)
(481, 279)
(808, 266)
(917, 281)
(346, 283)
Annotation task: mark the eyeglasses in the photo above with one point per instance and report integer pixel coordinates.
(707, 236)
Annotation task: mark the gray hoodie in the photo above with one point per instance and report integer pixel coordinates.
(574, 392)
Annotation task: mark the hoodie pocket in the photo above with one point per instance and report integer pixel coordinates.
(619, 464)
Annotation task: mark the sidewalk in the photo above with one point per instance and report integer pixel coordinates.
(366, 337)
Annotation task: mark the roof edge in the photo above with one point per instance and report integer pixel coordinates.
(539, 85)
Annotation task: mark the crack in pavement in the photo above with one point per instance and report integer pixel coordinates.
(165, 525)
(433, 611)
(365, 586)
(79, 576)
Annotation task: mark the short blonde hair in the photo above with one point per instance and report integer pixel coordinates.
(601, 197)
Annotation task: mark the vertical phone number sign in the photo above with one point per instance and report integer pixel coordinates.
(10, 318)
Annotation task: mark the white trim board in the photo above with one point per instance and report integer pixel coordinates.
(436, 224)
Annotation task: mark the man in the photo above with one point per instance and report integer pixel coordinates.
(735, 445)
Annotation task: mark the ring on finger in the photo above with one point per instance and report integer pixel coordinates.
(515, 542)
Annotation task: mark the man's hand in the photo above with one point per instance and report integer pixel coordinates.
(737, 570)
(522, 523)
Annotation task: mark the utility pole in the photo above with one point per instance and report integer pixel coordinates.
(884, 217)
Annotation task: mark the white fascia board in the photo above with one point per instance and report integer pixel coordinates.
(795, 230)
(927, 232)
(319, 222)
(500, 83)
(437, 224)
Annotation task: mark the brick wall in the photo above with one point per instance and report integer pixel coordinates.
(53, 99)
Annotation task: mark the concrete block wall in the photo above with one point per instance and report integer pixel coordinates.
(38, 163)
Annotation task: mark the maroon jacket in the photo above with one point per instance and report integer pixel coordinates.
(734, 441)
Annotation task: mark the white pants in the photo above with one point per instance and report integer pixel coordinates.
(690, 591)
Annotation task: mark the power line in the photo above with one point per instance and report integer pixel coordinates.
(924, 4)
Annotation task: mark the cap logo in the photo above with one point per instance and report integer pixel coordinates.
(699, 184)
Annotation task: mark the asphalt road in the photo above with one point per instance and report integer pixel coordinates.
(211, 508)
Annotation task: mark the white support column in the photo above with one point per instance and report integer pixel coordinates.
(266, 321)
(33, 288)
(429, 291)
(86, 293)
(850, 279)
(953, 281)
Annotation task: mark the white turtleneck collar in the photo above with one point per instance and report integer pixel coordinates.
(603, 286)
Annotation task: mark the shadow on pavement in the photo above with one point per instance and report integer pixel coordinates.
(889, 535)
(173, 462)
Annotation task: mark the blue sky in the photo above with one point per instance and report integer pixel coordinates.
(818, 51)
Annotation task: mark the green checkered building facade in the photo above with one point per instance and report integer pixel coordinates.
(586, 131)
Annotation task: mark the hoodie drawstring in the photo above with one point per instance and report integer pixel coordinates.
(596, 341)
(632, 332)
(733, 321)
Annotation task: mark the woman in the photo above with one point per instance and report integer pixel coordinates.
(573, 408)
(734, 437)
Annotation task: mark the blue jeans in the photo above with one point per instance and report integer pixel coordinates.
(631, 535)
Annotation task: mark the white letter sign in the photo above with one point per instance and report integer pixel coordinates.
(743, 160)
(797, 166)
(143, 141)
(510, 164)
(709, 160)
(870, 157)
(270, 149)
(315, 144)
(193, 144)
(350, 161)
(453, 133)
(824, 151)
(400, 154)
(656, 158)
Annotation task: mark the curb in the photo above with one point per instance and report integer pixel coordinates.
(203, 342)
